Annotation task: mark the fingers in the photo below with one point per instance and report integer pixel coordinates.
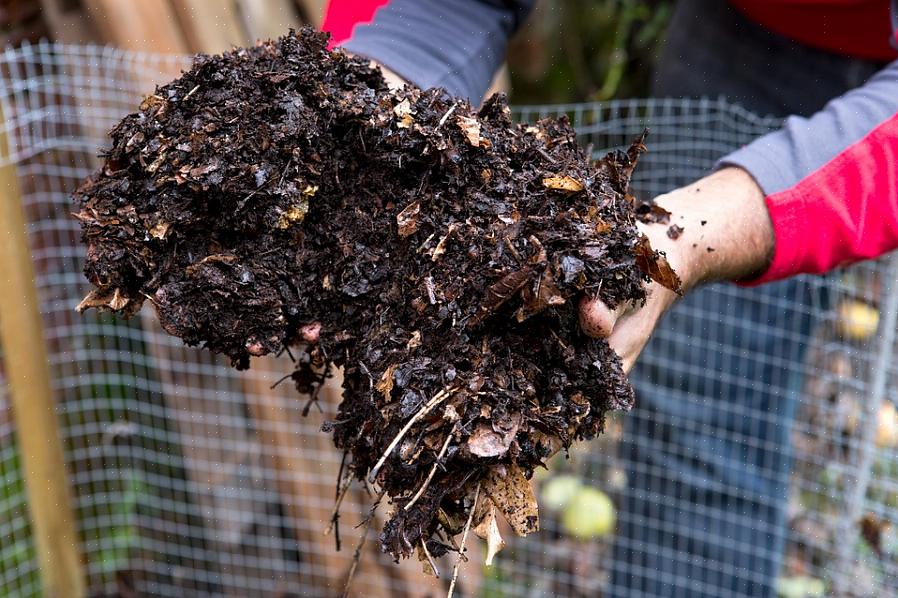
(596, 318)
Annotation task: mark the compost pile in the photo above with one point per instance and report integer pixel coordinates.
(441, 249)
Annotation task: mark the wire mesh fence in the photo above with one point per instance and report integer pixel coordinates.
(760, 459)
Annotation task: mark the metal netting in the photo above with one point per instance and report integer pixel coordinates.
(761, 453)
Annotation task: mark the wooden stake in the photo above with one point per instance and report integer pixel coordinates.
(28, 376)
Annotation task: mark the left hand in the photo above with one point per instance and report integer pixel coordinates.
(727, 235)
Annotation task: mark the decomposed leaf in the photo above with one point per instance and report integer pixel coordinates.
(385, 385)
(501, 291)
(403, 112)
(563, 183)
(656, 265)
(295, 214)
(407, 219)
(160, 229)
(471, 128)
(103, 298)
(490, 440)
(488, 529)
(513, 495)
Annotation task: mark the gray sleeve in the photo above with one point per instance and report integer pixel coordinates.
(781, 159)
(455, 44)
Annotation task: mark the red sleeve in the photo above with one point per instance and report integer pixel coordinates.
(341, 17)
(845, 211)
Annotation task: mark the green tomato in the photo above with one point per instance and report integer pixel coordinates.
(559, 490)
(589, 514)
(800, 586)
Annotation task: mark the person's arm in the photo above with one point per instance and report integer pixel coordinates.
(455, 44)
(831, 181)
(820, 193)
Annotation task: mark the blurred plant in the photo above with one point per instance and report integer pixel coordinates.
(576, 50)
(17, 551)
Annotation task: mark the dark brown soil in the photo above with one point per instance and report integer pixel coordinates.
(443, 250)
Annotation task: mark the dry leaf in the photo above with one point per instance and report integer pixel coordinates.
(216, 258)
(407, 219)
(471, 128)
(652, 213)
(295, 214)
(415, 341)
(103, 298)
(440, 249)
(492, 440)
(403, 111)
(656, 266)
(513, 495)
(501, 291)
(488, 529)
(385, 386)
(160, 230)
(563, 183)
(536, 300)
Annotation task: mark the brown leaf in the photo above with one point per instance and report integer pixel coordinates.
(545, 295)
(488, 529)
(471, 128)
(489, 440)
(403, 111)
(440, 249)
(415, 341)
(103, 299)
(513, 495)
(652, 213)
(407, 219)
(563, 183)
(217, 258)
(295, 214)
(385, 386)
(160, 230)
(656, 266)
(501, 291)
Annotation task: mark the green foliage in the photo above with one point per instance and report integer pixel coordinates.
(577, 50)
(17, 553)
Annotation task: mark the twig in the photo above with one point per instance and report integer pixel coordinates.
(433, 565)
(335, 515)
(545, 155)
(280, 381)
(357, 556)
(436, 400)
(464, 538)
(445, 117)
(433, 471)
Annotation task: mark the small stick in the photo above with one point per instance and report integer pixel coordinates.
(464, 538)
(436, 400)
(335, 516)
(357, 556)
(446, 116)
(433, 471)
(433, 565)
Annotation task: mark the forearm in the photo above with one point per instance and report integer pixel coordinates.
(726, 230)
(454, 44)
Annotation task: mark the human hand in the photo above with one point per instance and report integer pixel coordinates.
(724, 234)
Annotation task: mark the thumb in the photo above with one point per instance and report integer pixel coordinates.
(596, 318)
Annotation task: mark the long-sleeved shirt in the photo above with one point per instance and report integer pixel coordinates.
(831, 180)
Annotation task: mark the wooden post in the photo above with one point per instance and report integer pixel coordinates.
(28, 376)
